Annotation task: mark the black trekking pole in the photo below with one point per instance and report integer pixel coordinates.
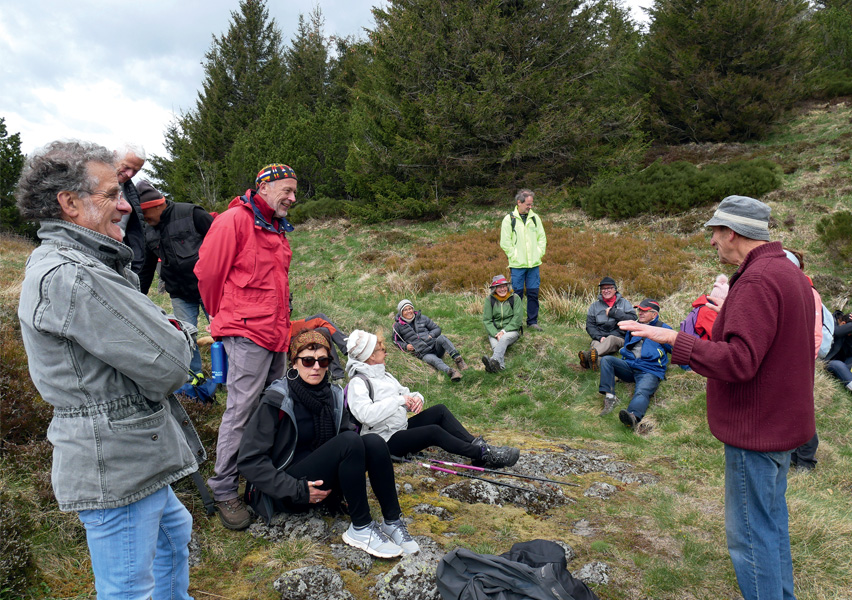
(468, 475)
(496, 472)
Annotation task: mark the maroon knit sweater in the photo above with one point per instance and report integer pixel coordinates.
(760, 363)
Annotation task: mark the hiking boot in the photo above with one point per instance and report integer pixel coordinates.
(371, 540)
(610, 400)
(849, 386)
(460, 363)
(535, 326)
(496, 367)
(487, 362)
(455, 375)
(628, 418)
(593, 359)
(478, 441)
(233, 514)
(398, 534)
(584, 359)
(495, 457)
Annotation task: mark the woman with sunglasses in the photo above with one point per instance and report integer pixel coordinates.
(299, 449)
(381, 404)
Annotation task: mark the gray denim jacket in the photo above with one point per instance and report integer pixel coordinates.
(107, 358)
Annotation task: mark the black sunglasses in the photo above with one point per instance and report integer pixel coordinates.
(309, 361)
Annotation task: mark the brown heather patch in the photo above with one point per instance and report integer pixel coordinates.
(648, 264)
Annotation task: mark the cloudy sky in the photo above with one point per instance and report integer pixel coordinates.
(111, 71)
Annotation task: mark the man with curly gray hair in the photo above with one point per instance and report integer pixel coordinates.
(106, 358)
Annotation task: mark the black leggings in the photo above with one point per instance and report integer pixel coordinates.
(340, 464)
(435, 426)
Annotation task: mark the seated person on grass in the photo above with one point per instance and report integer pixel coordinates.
(503, 316)
(416, 333)
(381, 404)
(839, 358)
(642, 361)
(602, 323)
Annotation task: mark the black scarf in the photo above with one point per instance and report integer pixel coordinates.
(318, 400)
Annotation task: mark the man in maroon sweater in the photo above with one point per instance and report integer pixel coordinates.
(760, 377)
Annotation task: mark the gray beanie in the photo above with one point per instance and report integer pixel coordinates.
(361, 345)
(402, 304)
(746, 216)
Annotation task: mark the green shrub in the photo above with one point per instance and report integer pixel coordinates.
(835, 233)
(395, 200)
(319, 207)
(17, 567)
(677, 187)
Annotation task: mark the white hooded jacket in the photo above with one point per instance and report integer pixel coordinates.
(385, 414)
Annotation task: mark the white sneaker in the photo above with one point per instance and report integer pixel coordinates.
(398, 533)
(371, 540)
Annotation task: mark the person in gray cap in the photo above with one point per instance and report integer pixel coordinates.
(416, 333)
(759, 367)
(602, 323)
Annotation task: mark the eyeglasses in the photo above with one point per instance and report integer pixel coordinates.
(111, 196)
(309, 361)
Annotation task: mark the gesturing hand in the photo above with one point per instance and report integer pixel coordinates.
(316, 495)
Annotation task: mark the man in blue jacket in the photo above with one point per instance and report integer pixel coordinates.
(642, 361)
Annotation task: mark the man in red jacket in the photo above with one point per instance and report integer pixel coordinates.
(242, 269)
(760, 379)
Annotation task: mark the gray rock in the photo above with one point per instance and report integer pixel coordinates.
(535, 499)
(407, 488)
(438, 511)
(593, 572)
(291, 526)
(413, 577)
(583, 528)
(351, 558)
(600, 490)
(308, 583)
(428, 480)
(194, 550)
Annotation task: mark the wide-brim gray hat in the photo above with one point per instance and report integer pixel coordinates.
(746, 216)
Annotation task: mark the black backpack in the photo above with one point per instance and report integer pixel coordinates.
(534, 570)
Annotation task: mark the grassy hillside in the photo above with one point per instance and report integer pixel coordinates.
(664, 540)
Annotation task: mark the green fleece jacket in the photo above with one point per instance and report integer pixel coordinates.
(506, 316)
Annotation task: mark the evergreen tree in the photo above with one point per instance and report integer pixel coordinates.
(832, 44)
(488, 93)
(11, 163)
(244, 69)
(722, 70)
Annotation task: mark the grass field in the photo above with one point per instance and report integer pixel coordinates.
(664, 540)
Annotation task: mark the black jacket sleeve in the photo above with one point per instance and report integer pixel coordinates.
(262, 440)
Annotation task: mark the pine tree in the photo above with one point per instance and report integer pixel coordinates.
(488, 93)
(11, 163)
(722, 70)
(243, 71)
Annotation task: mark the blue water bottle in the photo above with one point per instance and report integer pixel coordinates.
(219, 362)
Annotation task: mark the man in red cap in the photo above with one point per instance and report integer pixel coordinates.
(642, 361)
(242, 271)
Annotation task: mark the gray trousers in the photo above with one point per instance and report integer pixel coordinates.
(442, 346)
(611, 344)
(251, 368)
(498, 348)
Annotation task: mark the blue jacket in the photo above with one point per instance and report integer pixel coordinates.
(654, 357)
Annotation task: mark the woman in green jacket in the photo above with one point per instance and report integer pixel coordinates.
(503, 317)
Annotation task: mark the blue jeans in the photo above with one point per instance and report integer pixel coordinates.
(646, 384)
(756, 522)
(187, 311)
(528, 279)
(140, 551)
(841, 369)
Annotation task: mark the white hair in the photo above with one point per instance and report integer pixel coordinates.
(130, 148)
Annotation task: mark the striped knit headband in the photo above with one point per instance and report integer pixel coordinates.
(273, 172)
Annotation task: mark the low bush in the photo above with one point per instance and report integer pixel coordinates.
(835, 233)
(318, 207)
(17, 568)
(574, 264)
(677, 187)
(395, 200)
